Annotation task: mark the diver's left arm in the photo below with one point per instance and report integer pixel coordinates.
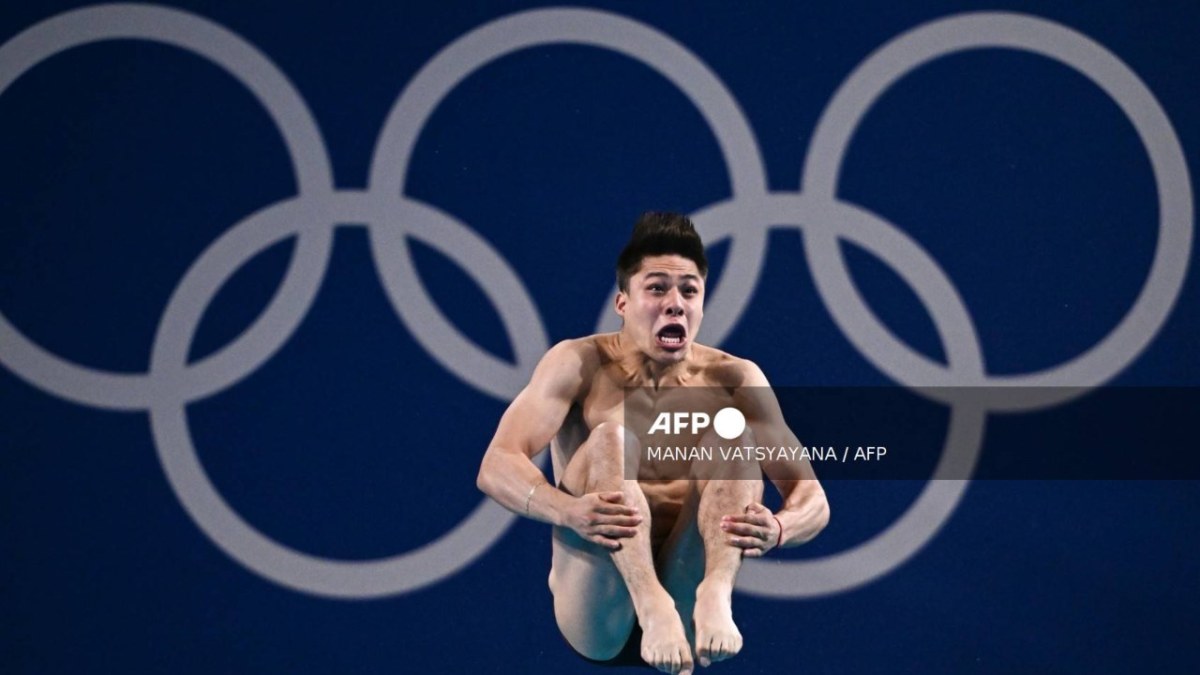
(804, 511)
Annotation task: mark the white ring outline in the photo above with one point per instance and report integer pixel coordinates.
(543, 27)
(176, 450)
(138, 391)
(907, 52)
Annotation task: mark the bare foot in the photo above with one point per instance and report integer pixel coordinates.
(717, 638)
(664, 644)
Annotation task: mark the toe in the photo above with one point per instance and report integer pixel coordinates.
(685, 660)
(704, 651)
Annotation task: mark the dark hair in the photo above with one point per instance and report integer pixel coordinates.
(660, 233)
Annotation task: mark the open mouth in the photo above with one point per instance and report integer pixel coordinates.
(671, 336)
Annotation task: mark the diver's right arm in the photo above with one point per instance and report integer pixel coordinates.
(508, 474)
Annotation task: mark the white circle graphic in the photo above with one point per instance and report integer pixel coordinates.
(745, 219)
(729, 423)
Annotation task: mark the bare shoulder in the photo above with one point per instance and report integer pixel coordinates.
(575, 356)
(723, 369)
(569, 366)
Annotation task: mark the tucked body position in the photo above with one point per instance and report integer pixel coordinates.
(645, 550)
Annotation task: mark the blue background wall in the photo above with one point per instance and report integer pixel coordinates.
(351, 440)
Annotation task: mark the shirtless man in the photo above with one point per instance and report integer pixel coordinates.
(663, 549)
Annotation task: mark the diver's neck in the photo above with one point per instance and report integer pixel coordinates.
(652, 373)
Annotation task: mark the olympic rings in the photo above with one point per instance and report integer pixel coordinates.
(311, 217)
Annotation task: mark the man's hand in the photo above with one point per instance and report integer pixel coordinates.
(755, 532)
(603, 518)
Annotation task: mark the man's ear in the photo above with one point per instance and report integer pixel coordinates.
(620, 302)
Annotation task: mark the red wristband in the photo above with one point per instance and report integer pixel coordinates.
(778, 542)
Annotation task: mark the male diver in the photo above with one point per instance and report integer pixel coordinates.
(644, 554)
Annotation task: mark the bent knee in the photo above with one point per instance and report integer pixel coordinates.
(609, 435)
(601, 457)
(611, 441)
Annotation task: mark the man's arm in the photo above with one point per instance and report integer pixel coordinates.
(805, 511)
(508, 474)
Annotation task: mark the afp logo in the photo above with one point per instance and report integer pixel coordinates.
(729, 423)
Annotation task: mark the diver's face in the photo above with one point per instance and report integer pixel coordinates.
(663, 307)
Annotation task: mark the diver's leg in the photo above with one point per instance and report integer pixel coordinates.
(697, 562)
(597, 591)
